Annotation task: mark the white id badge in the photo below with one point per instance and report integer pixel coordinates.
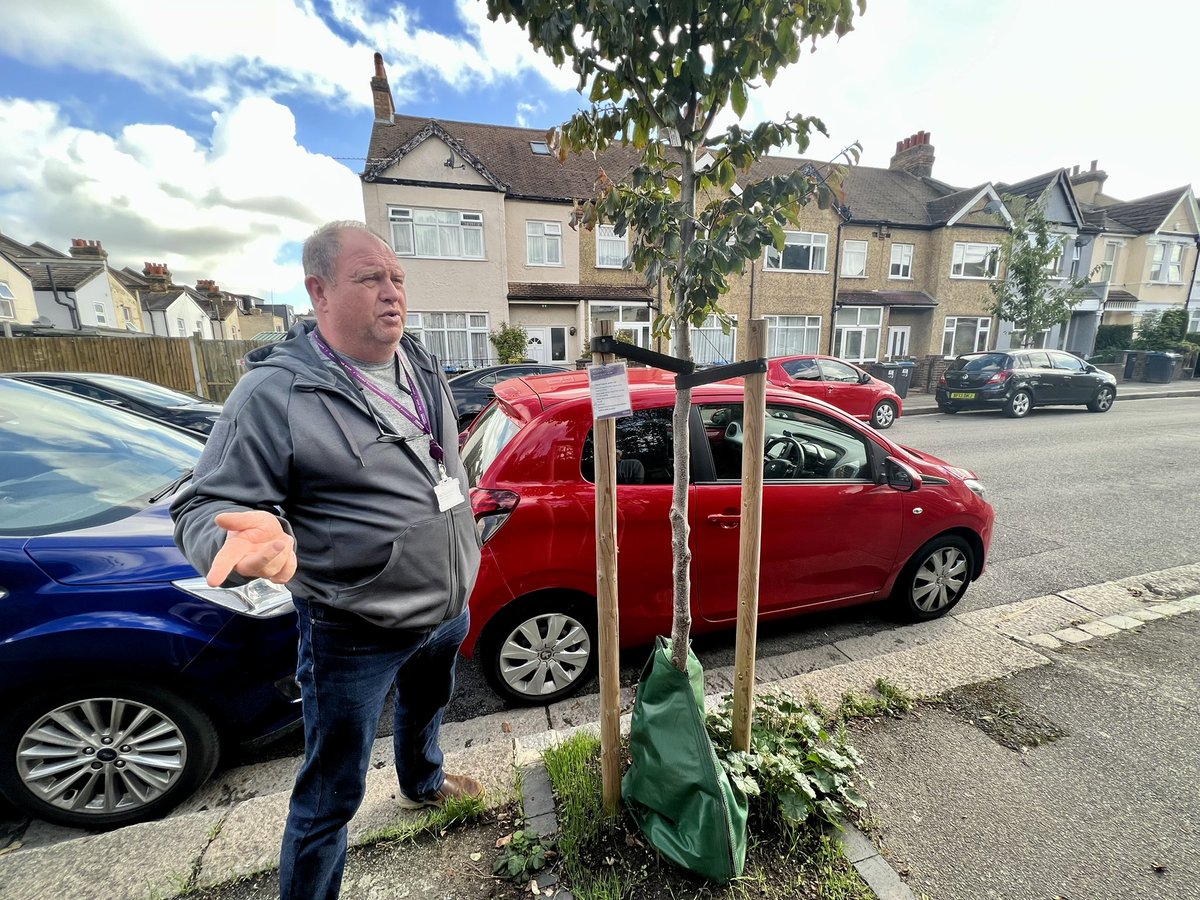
(449, 493)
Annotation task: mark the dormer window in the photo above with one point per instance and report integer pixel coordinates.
(539, 148)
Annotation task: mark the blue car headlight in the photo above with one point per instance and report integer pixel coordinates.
(260, 598)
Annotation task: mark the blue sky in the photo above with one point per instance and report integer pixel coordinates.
(215, 136)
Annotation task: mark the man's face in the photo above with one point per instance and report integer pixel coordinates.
(362, 312)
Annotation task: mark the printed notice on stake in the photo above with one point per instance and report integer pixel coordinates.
(610, 391)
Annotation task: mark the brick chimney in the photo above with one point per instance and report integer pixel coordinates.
(81, 249)
(385, 109)
(914, 155)
(1089, 184)
(158, 275)
(209, 289)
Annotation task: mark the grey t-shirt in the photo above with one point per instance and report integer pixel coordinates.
(392, 378)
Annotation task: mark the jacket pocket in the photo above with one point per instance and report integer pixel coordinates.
(413, 590)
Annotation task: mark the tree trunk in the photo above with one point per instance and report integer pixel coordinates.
(681, 623)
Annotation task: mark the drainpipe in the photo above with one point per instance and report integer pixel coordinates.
(72, 307)
(837, 267)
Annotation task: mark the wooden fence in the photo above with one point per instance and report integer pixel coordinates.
(208, 368)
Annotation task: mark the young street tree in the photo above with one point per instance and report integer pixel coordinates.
(1031, 295)
(657, 74)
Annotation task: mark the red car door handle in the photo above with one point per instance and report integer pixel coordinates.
(725, 520)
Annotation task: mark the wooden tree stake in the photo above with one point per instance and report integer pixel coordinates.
(753, 421)
(604, 439)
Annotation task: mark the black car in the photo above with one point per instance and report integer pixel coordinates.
(145, 397)
(473, 390)
(1018, 380)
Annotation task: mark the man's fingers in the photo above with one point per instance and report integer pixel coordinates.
(226, 559)
(275, 567)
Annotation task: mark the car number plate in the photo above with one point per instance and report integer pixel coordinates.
(962, 395)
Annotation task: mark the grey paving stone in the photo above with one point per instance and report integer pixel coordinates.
(925, 633)
(1099, 629)
(583, 709)
(1168, 608)
(883, 880)
(1145, 615)
(1048, 641)
(1039, 615)
(131, 863)
(537, 794)
(1123, 622)
(1072, 636)
(1108, 599)
(546, 824)
(856, 845)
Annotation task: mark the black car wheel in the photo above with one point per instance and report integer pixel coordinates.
(1018, 405)
(884, 415)
(1103, 400)
(541, 651)
(936, 578)
(948, 408)
(105, 754)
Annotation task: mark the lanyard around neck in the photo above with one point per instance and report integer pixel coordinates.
(420, 420)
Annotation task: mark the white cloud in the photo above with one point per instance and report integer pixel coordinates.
(224, 209)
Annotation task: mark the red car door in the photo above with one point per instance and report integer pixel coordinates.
(829, 532)
(843, 390)
(802, 375)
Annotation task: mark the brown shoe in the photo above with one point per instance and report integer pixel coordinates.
(452, 786)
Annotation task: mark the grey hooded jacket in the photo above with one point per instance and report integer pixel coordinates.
(297, 439)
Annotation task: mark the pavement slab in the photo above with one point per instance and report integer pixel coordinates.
(903, 638)
(163, 854)
(1039, 615)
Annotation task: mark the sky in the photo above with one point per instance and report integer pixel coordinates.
(216, 136)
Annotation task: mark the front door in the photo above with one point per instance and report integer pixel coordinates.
(898, 341)
(538, 346)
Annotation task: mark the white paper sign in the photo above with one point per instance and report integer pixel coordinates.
(610, 391)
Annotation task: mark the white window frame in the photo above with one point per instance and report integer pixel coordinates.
(1193, 320)
(959, 261)
(815, 241)
(127, 315)
(433, 330)
(606, 238)
(405, 231)
(983, 334)
(543, 235)
(868, 328)
(1076, 258)
(1054, 266)
(1109, 266)
(794, 335)
(181, 326)
(710, 344)
(850, 258)
(901, 269)
(634, 319)
(99, 312)
(539, 148)
(1166, 265)
(8, 305)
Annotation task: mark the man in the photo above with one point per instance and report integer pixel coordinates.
(334, 469)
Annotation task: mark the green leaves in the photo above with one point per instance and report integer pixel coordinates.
(794, 768)
(522, 855)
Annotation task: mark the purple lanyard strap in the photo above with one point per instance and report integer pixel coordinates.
(420, 420)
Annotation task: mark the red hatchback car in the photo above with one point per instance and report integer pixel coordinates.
(848, 517)
(836, 381)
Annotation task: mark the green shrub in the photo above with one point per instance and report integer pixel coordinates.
(510, 341)
(794, 768)
(1113, 337)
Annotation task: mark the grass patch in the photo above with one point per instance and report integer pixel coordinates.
(890, 700)
(435, 821)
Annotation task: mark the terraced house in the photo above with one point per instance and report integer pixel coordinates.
(481, 217)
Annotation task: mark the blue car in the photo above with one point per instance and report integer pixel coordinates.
(123, 676)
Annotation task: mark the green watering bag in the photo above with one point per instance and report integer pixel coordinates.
(675, 787)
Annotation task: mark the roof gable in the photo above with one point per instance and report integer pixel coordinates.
(1148, 214)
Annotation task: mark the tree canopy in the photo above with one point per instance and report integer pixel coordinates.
(657, 74)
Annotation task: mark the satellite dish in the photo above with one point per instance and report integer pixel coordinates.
(43, 322)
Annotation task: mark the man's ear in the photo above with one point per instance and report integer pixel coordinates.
(316, 291)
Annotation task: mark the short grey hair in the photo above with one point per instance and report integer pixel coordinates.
(323, 246)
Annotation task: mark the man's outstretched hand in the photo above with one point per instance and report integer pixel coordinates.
(256, 546)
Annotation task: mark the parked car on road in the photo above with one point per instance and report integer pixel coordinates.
(123, 676)
(848, 517)
(145, 397)
(1016, 381)
(474, 390)
(836, 381)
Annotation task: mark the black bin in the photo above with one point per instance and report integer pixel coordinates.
(1161, 367)
(898, 375)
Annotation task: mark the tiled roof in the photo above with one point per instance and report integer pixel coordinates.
(154, 302)
(67, 275)
(942, 210)
(1098, 217)
(1122, 297)
(502, 154)
(886, 298)
(14, 248)
(131, 279)
(1031, 188)
(1147, 213)
(574, 292)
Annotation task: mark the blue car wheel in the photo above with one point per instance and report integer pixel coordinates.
(105, 754)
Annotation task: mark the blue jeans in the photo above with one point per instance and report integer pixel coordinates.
(346, 668)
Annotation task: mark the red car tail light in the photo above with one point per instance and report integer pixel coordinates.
(1000, 377)
(491, 509)
(942, 379)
